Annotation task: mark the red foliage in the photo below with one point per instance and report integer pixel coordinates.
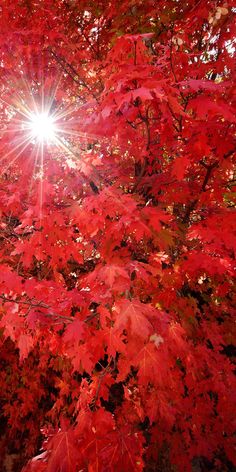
(118, 241)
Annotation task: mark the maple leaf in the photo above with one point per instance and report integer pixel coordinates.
(196, 84)
(112, 340)
(112, 275)
(148, 363)
(63, 452)
(11, 322)
(25, 343)
(81, 358)
(9, 280)
(210, 263)
(148, 94)
(131, 207)
(208, 107)
(134, 315)
(155, 217)
(179, 167)
(74, 332)
(159, 407)
(94, 430)
(124, 452)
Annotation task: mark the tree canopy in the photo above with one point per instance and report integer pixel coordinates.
(117, 235)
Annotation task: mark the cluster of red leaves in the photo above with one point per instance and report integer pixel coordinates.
(117, 266)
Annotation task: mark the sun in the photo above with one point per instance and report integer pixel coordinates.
(43, 127)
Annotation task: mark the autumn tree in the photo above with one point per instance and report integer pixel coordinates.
(117, 235)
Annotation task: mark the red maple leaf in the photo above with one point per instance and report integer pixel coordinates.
(133, 315)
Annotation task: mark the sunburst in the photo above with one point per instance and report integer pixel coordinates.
(43, 128)
(38, 121)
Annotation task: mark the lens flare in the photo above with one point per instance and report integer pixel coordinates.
(43, 127)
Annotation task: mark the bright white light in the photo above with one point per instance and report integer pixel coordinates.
(43, 127)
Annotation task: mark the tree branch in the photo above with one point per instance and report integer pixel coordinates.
(73, 74)
(39, 304)
(207, 177)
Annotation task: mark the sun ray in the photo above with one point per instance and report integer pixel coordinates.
(15, 158)
(48, 126)
(17, 106)
(65, 112)
(41, 183)
(23, 140)
(35, 155)
(53, 94)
